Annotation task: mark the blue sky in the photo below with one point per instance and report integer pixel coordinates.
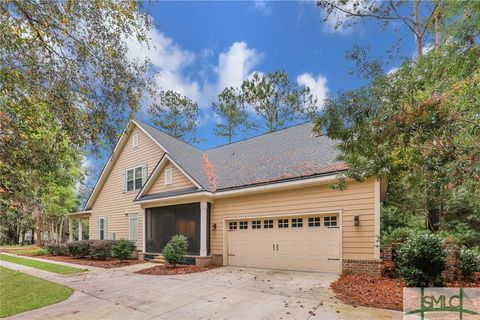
(198, 48)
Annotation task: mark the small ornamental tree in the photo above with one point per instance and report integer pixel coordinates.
(122, 249)
(175, 250)
(421, 260)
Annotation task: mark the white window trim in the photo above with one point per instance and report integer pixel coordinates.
(126, 178)
(169, 173)
(135, 140)
(132, 216)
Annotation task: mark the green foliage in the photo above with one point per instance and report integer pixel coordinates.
(123, 249)
(176, 114)
(66, 87)
(231, 110)
(175, 250)
(469, 262)
(78, 249)
(421, 260)
(276, 100)
(100, 249)
(56, 249)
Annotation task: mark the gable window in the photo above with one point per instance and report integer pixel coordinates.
(135, 140)
(134, 178)
(297, 222)
(243, 225)
(133, 224)
(283, 223)
(232, 225)
(268, 224)
(168, 176)
(257, 224)
(330, 221)
(314, 222)
(101, 228)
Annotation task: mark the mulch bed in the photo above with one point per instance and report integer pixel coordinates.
(107, 264)
(380, 292)
(179, 269)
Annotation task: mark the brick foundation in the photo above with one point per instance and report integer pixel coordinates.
(359, 266)
(452, 270)
(214, 260)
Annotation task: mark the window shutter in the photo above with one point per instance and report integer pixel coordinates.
(98, 228)
(144, 173)
(124, 179)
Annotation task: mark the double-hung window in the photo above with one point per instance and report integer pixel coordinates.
(101, 228)
(134, 178)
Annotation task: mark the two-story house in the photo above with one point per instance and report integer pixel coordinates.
(261, 202)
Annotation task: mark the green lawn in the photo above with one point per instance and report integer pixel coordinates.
(33, 252)
(21, 292)
(40, 264)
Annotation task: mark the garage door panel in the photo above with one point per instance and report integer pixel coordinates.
(303, 247)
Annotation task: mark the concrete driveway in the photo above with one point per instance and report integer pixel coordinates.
(223, 293)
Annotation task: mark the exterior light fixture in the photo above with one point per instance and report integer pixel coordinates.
(214, 227)
(356, 220)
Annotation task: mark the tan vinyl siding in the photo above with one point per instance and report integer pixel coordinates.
(179, 181)
(112, 201)
(357, 199)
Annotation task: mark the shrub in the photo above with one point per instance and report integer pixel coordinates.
(79, 249)
(469, 262)
(39, 252)
(175, 250)
(122, 249)
(100, 249)
(421, 260)
(54, 249)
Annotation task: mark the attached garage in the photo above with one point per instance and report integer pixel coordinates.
(298, 242)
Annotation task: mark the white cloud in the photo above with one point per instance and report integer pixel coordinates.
(317, 86)
(161, 50)
(262, 7)
(236, 64)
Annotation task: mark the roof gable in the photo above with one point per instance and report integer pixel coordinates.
(117, 151)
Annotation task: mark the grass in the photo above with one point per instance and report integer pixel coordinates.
(21, 292)
(51, 267)
(33, 252)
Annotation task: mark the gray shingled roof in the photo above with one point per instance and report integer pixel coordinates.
(290, 153)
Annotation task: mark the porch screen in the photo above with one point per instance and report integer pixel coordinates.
(165, 222)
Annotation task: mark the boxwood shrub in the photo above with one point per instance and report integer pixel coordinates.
(421, 260)
(175, 250)
(469, 262)
(123, 249)
(54, 249)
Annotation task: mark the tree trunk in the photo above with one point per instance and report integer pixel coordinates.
(38, 226)
(418, 34)
(438, 36)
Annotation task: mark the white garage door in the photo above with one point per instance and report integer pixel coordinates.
(310, 243)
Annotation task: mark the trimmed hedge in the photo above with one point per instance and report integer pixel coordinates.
(78, 249)
(96, 249)
(56, 249)
(101, 249)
